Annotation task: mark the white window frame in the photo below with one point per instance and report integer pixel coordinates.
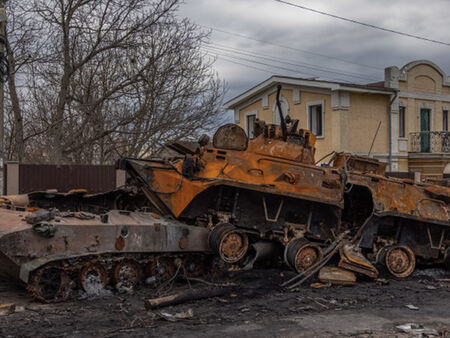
(248, 113)
(316, 103)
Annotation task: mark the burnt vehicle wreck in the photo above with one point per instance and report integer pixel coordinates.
(231, 201)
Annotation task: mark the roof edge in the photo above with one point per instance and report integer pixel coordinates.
(274, 79)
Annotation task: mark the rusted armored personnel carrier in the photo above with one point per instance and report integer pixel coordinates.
(267, 189)
(235, 198)
(270, 189)
(397, 220)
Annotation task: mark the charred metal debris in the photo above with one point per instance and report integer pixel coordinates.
(226, 204)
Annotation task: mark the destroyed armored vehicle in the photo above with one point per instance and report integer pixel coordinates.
(233, 198)
(57, 253)
(269, 189)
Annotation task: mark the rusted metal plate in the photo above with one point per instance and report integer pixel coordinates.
(353, 260)
(337, 276)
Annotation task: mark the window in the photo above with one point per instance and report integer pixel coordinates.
(315, 119)
(445, 120)
(284, 109)
(250, 122)
(401, 122)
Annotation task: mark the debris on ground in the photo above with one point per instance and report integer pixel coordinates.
(416, 329)
(258, 308)
(177, 316)
(412, 307)
(337, 276)
(185, 296)
(7, 309)
(382, 281)
(320, 285)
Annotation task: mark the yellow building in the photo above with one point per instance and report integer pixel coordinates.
(409, 109)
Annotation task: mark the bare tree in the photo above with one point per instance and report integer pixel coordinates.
(23, 32)
(113, 78)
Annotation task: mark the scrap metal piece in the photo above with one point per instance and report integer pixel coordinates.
(335, 275)
(21, 200)
(40, 215)
(352, 259)
(7, 309)
(45, 229)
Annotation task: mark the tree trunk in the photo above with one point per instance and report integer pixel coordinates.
(18, 147)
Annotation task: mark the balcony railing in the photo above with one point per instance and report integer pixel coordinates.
(430, 142)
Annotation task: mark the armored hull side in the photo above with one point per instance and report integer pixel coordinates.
(69, 244)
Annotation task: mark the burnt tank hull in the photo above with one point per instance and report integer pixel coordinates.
(65, 245)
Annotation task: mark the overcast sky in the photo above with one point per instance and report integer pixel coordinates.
(361, 51)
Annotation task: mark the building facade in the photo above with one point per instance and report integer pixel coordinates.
(402, 120)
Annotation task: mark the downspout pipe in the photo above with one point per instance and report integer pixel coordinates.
(390, 127)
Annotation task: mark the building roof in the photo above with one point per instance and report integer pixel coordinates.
(377, 88)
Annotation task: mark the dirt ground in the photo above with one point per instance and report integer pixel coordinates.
(256, 306)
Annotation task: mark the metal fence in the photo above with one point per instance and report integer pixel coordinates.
(430, 142)
(25, 178)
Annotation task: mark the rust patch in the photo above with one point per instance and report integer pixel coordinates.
(155, 216)
(183, 243)
(120, 243)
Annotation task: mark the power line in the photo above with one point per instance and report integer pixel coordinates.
(259, 62)
(287, 47)
(363, 23)
(266, 64)
(288, 62)
(302, 64)
(221, 57)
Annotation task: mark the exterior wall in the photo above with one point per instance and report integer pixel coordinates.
(421, 85)
(365, 114)
(342, 127)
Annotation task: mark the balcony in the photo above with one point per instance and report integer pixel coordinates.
(429, 142)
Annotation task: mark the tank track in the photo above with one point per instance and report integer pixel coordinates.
(68, 279)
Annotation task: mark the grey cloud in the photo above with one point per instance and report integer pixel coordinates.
(272, 21)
